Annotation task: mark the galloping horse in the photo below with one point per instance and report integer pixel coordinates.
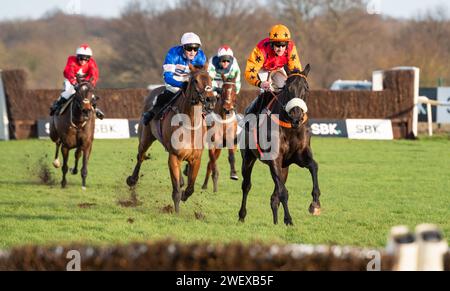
(74, 128)
(293, 145)
(223, 128)
(195, 98)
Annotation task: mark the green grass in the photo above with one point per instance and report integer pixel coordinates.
(367, 187)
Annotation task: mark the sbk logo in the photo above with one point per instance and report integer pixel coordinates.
(325, 129)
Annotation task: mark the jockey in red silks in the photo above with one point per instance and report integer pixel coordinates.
(82, 67)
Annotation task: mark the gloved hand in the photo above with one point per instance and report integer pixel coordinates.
(265, 85)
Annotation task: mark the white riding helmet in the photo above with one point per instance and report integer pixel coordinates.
(190, 38)
(84, 50)
(225, 51)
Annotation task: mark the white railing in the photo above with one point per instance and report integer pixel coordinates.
(429, 103)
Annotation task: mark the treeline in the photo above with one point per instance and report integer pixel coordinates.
(337, 37)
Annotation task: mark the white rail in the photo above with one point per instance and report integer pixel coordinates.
(429, 103)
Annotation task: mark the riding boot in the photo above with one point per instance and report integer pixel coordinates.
(56, 106)
(100, 115)
(161, 100)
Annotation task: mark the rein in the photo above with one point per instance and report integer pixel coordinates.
(71, 117)
(275, 119)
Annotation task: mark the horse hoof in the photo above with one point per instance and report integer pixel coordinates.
(205, 187)
(83, 188)
(315, 211)
(131, 181)
(242, 220)
(56, 163)
(289, 223)
(73, 171)
(234, 177)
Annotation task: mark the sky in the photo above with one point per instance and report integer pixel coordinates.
(25, 9)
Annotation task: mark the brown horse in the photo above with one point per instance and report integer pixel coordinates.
(196, 98)
(293, 145)
(74, 128)
(223, 128)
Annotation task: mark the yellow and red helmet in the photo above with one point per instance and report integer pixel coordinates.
(279, 32)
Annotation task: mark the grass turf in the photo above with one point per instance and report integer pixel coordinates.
(367, 187)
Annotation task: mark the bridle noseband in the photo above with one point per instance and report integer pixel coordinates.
(200, 94)
(283, 107)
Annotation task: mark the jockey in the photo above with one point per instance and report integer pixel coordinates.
(271, 54)
(176, 71)
(82, 66)
(224, 63)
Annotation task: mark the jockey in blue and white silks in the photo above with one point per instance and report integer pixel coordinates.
(176, 70)
(176, 67)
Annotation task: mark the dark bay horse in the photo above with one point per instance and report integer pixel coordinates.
(196, 98)
(223, 128)
(294, 146)
(74, 129)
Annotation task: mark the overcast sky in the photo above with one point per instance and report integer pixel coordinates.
(111, 8)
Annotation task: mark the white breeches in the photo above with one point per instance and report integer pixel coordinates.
(68, 90)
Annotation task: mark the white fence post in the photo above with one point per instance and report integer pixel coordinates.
(4, 122)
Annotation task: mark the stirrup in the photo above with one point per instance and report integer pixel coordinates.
(99, 114)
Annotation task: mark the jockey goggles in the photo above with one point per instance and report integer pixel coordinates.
(279, 44)
(225, 59)
(190, 47)
(83, 58)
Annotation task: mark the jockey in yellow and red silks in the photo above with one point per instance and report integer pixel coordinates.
(271, 54)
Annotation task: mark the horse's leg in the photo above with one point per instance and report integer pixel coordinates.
(248, 161)
(275, 199)
(232, 161)
(74, 171)
(277, 175)
(181, 179)
(174, 167)
(215, 169)
(84, 169)
(208, 169)
(192, 176)
(313, 167)
(65, 168)
(144, 144)
(306, 160)
(56, 162)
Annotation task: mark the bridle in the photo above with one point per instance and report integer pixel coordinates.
(200, 94)
(79, 104)
(221, 95)
(282, 106)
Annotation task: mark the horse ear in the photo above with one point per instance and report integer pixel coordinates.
(307, 70)
(192, 68)
(223, 77)
(288, 72)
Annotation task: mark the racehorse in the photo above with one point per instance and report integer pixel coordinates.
(195, 99)
(288, 110)
(73, 128)
(223, 128)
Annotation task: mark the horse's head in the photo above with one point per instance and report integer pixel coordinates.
(228, 95)
(83, 99)
(200, 86)
(294, 92)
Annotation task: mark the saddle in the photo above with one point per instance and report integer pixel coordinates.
(165, 109)
(66, 105)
